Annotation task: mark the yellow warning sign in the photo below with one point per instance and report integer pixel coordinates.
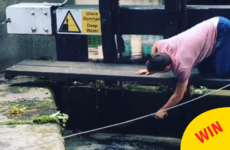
(91, 22)
(69, 24)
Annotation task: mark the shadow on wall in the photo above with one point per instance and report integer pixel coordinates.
(15, 48)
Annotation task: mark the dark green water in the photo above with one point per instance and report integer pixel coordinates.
(90, 108)
(122, 142)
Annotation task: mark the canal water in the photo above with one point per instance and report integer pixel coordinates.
(102, 141)
(90, 108)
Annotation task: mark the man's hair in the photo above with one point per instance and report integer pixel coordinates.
(158, 62)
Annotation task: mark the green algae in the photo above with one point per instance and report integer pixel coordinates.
(29, 104)
(99, 84)
(144, 89)
(16, 122)
(55, 118)
(45, 119)
(13, 89)
(34, 104)
(39, 120)
(26, 110)
(16, 111)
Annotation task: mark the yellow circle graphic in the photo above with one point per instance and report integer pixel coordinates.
(208, 131)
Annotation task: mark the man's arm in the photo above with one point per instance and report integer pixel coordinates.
(154, 49)
(177, 96)
(144, 71)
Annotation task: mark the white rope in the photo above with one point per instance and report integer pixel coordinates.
(125, 122)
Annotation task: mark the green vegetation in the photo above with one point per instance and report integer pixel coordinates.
(32, 110)
(99, 84)
(14, 122)
(45, 119)
(58, 118)
(16, 111)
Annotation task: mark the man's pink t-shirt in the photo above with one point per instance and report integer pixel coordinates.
(190, 47)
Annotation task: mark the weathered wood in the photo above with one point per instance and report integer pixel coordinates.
(89, 65)
(208, 6)
(122, 72)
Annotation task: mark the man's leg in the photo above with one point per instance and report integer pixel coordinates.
(222, 55)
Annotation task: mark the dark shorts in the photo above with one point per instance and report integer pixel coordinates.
(219, 63)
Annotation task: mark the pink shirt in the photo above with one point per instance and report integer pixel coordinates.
(189, 48)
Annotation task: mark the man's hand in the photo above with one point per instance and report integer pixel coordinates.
(174, 99)
(143, 71)
(160, 114)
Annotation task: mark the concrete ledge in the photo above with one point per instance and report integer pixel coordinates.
(25, 116)
(16, 136)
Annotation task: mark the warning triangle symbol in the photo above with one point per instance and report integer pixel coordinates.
(69, 24)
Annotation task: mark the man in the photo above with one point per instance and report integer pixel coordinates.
(205, 46)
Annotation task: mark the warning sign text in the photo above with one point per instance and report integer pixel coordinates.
(91, 22)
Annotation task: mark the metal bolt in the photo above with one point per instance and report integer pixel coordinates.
(33, 29)
(46, 30)
(32, 12)
(45, 13)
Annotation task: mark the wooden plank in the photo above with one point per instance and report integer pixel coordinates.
(103, 72)
(94, 73)
(66, 64)
(208, 6)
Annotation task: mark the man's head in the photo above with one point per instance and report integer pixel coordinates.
(159, 62)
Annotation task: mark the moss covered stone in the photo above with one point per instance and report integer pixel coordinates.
(15, 122)
(25, 99)
(38, 120)
(45, 119)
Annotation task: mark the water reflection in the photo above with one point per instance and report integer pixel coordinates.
(122, 142)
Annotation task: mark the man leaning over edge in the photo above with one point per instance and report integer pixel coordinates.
(205, 46)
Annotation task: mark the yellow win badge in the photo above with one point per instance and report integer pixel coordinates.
(208, 131)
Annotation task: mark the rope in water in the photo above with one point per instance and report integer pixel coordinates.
(125, 122)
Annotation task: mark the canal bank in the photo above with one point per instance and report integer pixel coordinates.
(25, 108)
(26, 100)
